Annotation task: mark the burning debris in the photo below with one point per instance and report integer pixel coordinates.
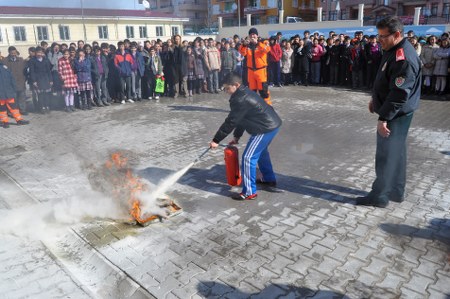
(130, 189)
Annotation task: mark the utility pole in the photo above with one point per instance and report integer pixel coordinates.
(82, 19)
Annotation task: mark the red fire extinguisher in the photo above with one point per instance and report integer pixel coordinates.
(231, 154)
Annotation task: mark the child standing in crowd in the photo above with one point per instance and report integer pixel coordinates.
(200, 66)
(357, 63)
(334, 62)
(153, 70)
(8, 91)
(69, 80)
(228, 59)
(274, 57)
(428, 61)
(26, 72)
(138, 68)
(83, 69)
(373, 55)
(41, 78)
(317, 52)
(53, 56)
(189, 70)
(303, 62)
(287, 62)
(441, 57)
(213, 65)
(124, 64)
(99, 77)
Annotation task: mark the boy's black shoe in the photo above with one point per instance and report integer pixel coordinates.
(242, 196)
(366, 201)
(270, 184)
(22, 122)
(5, 125)
(397, 199)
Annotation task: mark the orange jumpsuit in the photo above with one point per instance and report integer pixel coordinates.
(256, 56)
(9, 104)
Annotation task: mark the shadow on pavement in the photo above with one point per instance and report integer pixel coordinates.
(196, 108)
(213, 180)
(445, 153)
(213, 289)
(438, 229)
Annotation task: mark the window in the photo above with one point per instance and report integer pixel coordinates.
(1, 36)
(143, 31)
(64, 33)
(174, 30)
(272, 20)
(434, 9)
(446, 10)
(159, 31)
(103, 32)
(333, 15)
(19, 33)
(130, 32)
(295, 3)
(42, 32)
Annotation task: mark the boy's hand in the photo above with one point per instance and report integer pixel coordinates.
(234, 141)
(213, 145)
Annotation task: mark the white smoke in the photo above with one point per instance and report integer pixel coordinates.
(51, 219)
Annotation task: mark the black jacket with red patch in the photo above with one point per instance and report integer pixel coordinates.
(396, 89)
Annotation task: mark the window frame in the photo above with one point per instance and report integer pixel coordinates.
(103, 32)
(66, 31)
(40, 34)
(175, 30)
(143, 32)
(129, 30)
(22, 33)
(160, 33)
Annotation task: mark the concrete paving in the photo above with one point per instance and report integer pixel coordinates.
(308, 240)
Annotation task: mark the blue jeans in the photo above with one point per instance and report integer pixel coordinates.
(255, 152)
(213, 79)
(315, 72)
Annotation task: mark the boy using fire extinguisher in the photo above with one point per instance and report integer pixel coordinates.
(249, 112)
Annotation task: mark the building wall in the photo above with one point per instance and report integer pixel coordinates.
(116, 30)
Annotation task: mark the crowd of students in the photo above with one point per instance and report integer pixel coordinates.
(87, 75)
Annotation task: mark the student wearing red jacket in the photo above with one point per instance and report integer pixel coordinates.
(274, 62)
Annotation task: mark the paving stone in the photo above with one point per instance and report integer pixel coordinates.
(279, 264)
(302, 265)
(441, 285)
(391, 282)
(418, 283)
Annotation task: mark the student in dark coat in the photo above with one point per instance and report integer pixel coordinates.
(42, 80)
(99, 66)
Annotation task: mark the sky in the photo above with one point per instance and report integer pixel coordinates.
(116, 4)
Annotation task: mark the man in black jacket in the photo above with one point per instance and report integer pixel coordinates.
(395, 97)
(249, 112)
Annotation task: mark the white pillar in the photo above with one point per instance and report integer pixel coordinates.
(219, 21)
(281, 16)
(361, 12)
(249, 20)
(319, 14)
(417, 15)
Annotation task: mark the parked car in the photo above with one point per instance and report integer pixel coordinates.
(208, 31)
(188, 31)
(293, 20)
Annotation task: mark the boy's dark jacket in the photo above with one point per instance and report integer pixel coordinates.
(7, 83)
(249, 112)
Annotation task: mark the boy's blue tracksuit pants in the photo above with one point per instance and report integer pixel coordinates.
(257, 152)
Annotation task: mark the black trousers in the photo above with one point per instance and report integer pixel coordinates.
(390, 162)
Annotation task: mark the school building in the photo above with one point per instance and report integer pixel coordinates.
(24, 27)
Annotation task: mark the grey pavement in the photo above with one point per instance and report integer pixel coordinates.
(307, 241)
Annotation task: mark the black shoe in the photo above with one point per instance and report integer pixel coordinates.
(366, 201)
(105, 103)
(271, 184)
(242, 196)
(22, 122)
(216, 91)
(5, 125)
(23, 112)
(397, 199)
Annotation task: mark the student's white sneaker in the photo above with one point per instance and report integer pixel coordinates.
(130, 101)
(157, 98)
(123, 102)
(150, 98)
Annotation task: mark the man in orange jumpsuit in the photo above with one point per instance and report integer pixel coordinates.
(256, 56)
